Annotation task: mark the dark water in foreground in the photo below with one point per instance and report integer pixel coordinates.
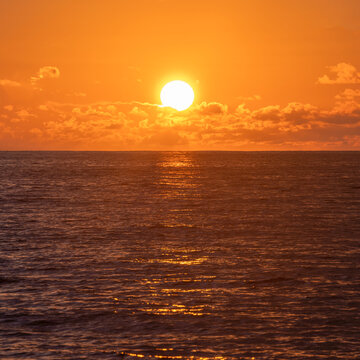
(179, 255)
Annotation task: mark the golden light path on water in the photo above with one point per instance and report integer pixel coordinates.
(172, 357)
(178, 180)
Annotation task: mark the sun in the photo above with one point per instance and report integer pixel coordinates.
(177, 94)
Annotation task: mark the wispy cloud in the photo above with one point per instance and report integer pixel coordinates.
(9, 83)
(249, 98)
(45, 72)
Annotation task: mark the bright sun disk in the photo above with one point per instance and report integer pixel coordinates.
(177, 94)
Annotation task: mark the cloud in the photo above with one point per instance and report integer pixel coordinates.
(348, 95)
(138, 113)
(299, 113)
(205, 126)
(271, 112)
(348, 101)
(24, 114)
(249, 98)
(46, 72)
(9, 83)
(168, 138)
(344, 74)
(49, 72)
(212, 108)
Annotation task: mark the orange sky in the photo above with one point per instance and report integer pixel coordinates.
(267, 75)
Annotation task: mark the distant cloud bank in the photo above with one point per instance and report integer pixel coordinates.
(44, 123)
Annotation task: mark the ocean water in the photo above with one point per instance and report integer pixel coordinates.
(179, 255)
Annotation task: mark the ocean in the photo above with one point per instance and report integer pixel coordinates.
(179, 255)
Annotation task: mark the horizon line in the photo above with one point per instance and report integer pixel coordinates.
(181, 150)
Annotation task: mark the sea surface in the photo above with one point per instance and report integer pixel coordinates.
(179, 255)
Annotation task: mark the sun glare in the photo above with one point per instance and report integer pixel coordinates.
(177, 94)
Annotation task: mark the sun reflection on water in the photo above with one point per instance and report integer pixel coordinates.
(177, 260)
(176, 309)
(178, 176)
(179, 292)
(177, 189)
(135, 355)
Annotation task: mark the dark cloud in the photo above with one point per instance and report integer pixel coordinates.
(212, 108)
